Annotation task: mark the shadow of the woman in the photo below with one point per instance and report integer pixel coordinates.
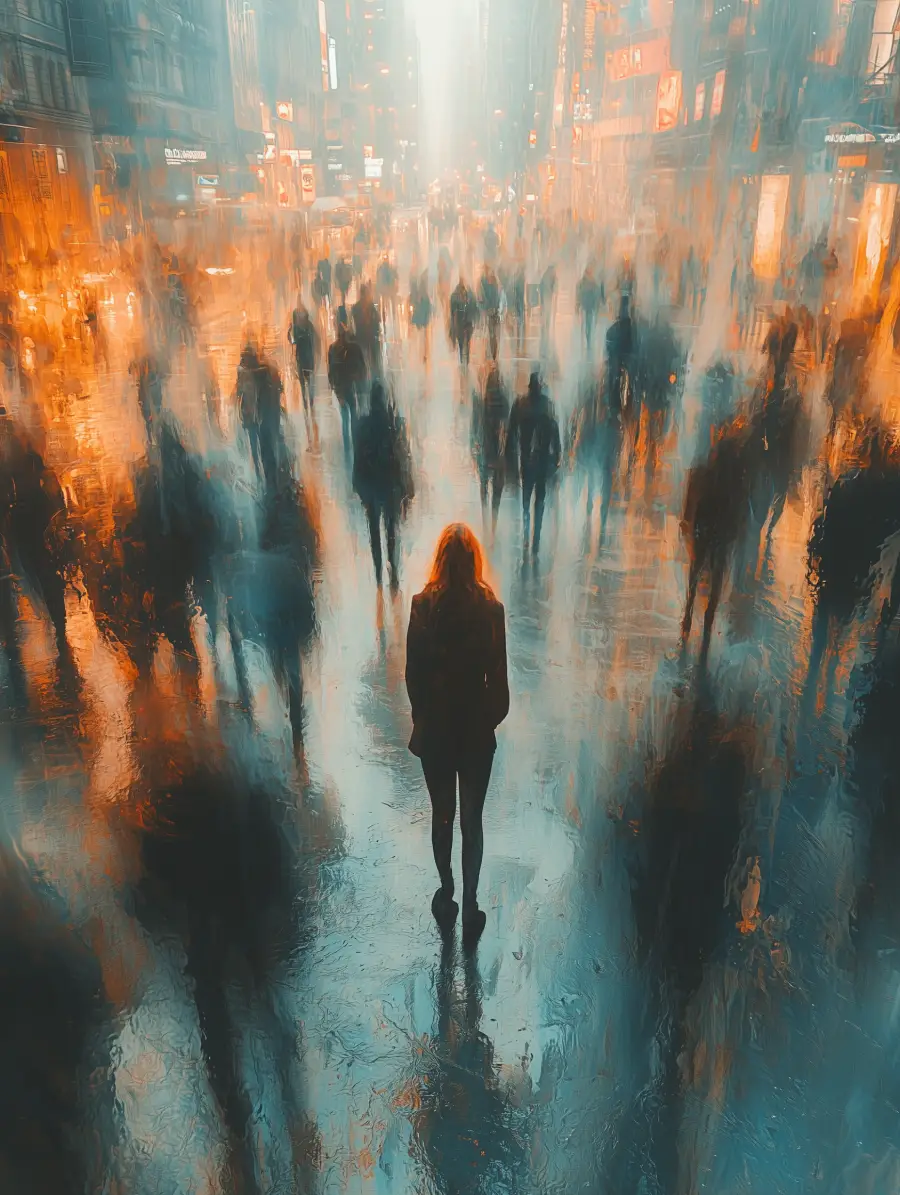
(468, 1135)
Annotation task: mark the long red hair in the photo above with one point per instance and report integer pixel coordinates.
(458, 563)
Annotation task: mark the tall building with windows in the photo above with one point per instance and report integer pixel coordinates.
(293, 87)
(522, 46)
(157, 128)
(784, 131)
(372, 114)
(46, 168)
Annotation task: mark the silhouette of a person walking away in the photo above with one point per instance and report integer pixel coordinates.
(382, 475)
(459, 694)
(533, 452)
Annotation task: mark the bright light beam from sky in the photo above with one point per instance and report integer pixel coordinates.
(440, 24)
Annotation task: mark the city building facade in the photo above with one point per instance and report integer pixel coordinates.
(46, 159)
(372, 117)
(156, 117)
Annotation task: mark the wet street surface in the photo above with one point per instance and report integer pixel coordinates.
(687, 979)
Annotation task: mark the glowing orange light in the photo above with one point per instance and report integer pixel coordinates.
(876, 218)
(773, 199)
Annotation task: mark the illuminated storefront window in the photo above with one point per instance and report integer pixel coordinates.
(773, 197)
(875, 219)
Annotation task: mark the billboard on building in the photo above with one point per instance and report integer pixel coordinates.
(332, 64)
(649, 57)
(308, 184)
(88, 36)
(181, 155)
(668, 101)
(699, 101)
(718, 95)
(323, 44)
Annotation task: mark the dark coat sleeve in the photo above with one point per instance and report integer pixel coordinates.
(693, 490)
(416, 640)
(512, 435)
(495, 672)
(555, 444)
(359, 365)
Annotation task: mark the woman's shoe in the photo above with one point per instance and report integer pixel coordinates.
(474, 921)
(444, 908)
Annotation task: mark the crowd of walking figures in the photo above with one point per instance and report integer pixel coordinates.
(169, 554)
(181, 545)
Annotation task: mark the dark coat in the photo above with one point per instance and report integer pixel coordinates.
(421, 316)
(382, 469)
(533, 434)
(717, 497)
(367, 323)
(456, 673)
(490, 415)
(463, 313)
(343, 275)
(346, 368)
(269, 389)
(305, 340)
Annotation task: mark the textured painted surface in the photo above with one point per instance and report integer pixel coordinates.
(686, 978)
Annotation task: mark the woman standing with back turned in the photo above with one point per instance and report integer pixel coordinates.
(458, 690)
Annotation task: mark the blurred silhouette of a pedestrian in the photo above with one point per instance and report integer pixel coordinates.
(382, 475)
(270, 389)
(620, 350)
(589, 296)
(150, 377)
(346, 375)
(716, 508)
(492, 302)
(534, 435)
(245, 391)
(367, 326)
(343, 277)
(304, 340)
(490, 414)
(463, 313)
